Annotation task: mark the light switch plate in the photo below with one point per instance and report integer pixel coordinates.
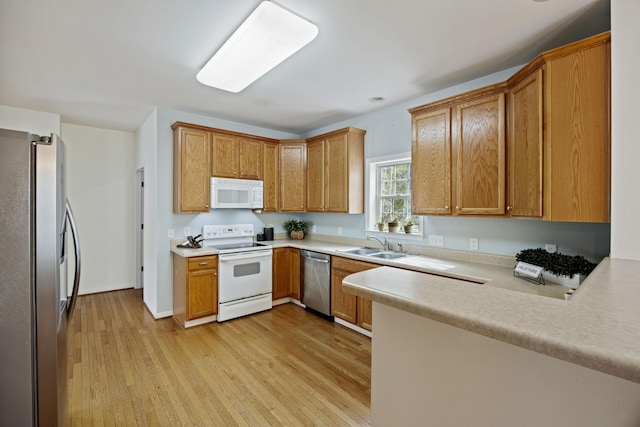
(170, 233)
(473, 243)
(187, 231)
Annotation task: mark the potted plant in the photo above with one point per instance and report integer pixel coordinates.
(566, 270)
(380, 224)
(408, 226)
(296, 228)
(393, 225)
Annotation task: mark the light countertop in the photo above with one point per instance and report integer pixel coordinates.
(599, 327)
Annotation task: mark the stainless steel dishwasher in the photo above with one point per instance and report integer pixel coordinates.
(316, 282)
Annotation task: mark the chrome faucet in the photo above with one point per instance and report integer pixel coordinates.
(385, 244)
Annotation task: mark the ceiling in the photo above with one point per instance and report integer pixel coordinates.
(109, 63)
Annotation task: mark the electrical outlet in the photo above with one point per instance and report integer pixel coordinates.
(313, 228)
(473, 243)
(187, 231)
(436, 240)
(551, 248)
(170, 233)
(339, 231)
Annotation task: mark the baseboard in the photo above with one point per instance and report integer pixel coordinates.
(353, 327)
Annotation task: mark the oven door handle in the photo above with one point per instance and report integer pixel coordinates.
(245, 255)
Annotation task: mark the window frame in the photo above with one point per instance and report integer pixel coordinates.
(373, 202)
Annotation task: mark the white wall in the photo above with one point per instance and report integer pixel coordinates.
(625, 62)
(101, 190)
(37, 122)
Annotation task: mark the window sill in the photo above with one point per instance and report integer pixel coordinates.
(399, 235)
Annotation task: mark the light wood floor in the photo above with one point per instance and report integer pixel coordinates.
(280, 367)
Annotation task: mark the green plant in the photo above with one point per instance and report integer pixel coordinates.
(393, 220)
(556, 263)
(296, 225)
(408, 223)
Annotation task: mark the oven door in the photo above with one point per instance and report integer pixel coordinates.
(244, 274)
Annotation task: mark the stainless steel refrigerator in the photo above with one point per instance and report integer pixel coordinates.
(34, 305)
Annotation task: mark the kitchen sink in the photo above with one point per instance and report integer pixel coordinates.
(388, 255)
(361, 251)
(374, 253)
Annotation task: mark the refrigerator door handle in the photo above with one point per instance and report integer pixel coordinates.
(76, 247)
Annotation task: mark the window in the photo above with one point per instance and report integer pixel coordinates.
(392, 197)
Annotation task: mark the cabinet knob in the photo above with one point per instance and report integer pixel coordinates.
(457, 207)
(509, 208)
(215, 274)
(206, 206)
(241, 173)
(234, 172)
(446, 206)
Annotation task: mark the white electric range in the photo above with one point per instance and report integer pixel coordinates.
(244, 270)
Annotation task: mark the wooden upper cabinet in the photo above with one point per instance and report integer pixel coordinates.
(525, 146)
(315, 176)
(335, 172)
(577, 132)
(191, 169)
(293, 159)
(458, 154)
(236, 157)
(271, 177)
(480, 161)
(431, 162)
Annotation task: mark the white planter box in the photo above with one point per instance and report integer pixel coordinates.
(573, 282)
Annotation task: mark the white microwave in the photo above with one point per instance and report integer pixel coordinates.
(236, 193)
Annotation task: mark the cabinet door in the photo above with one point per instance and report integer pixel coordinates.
(224, 156)
(202, 293)
(365, 313)
(336, 188)
(577, 164)
(293, 177)
(250, 158)
(431, 163)
(294, 277)
(525, 147)
(316, 176)
(271, 177)
(480, 140)
(343, 305)
(281, 273)
(191, 170)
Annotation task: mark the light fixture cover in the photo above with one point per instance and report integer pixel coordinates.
(266, 38)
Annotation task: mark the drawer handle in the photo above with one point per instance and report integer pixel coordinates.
(204, 263)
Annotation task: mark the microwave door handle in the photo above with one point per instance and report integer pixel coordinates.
(76, 246)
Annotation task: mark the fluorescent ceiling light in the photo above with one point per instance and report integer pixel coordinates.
(269, 35)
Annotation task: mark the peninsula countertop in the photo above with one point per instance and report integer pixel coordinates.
(599, 327)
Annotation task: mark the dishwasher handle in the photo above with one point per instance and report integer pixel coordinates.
(315, 256)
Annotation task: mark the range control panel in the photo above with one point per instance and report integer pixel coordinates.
(227, 231)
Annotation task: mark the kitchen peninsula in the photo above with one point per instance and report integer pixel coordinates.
(450, 352)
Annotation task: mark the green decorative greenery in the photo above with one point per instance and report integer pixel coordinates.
(408, 223)
(296, 225)
(556, 263)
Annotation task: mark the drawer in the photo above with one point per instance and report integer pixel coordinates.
(352, 265)
(203, 262)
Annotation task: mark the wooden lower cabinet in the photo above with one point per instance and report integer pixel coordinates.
(195, 288)
(350, 308)
(286, 273)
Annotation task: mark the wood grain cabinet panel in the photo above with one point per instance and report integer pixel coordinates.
(191, 169)
(293, 160)
(195, 288)
(480, 156)
(271, 177)
(335, 172)
(348, 307)
(525, 146)
(577, 138)
(235, 156)
(286, 273)
(431, 162)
